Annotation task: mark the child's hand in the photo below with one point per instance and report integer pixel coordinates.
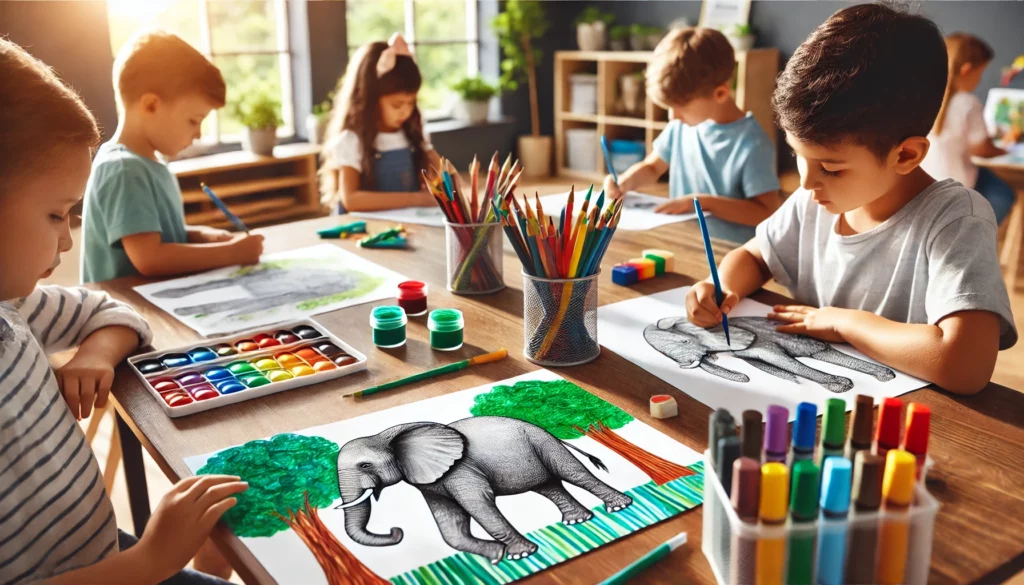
(208, 235)
(823, 324)
(676, 206)
(184, 518)
(247, 249)
(701, 308)
(611, 188)
(85, 380)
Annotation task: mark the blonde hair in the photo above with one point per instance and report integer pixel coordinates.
(37, 113)
(689, 63)
(162, 63)
(961, 49)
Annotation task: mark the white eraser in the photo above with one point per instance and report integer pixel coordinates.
(663, 406)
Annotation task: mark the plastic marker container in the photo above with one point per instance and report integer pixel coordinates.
(388, 323)
(446, 329)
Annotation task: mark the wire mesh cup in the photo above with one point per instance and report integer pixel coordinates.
(560, 320)
(474, 258)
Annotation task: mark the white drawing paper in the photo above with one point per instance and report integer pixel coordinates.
(652, 332)
(637, 214)
(283, 286)
(432, 216)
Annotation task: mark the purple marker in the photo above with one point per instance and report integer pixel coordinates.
(776, 434)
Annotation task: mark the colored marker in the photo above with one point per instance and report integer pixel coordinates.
(776, 434)
(887, 434)
(862, 428)
(915, 439)
(224, 209)
(728, 453)
(867, 497)
(771, 552)
(833, 430)
(645, 561)
(751, 434)
(803, 511)
(608, 159)
(805, 427)
(835, 505)
(711, 263)
(745, 497)
(897, 492)
(473, 361)
(721, 424)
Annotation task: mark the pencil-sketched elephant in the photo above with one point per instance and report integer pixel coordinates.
(460, 468)
(755, 340)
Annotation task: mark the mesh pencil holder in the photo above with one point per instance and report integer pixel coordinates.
(474, 256)
(560, 320)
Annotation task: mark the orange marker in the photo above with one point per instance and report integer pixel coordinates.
(771, 552)
(897, 492)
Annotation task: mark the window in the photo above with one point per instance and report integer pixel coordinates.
(442, 34)
(246, 39)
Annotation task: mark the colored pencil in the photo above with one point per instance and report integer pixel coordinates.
(474, 205)
(473, 361)
(711, 262)
(608, 160)
(224, 209)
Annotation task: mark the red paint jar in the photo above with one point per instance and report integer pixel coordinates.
(412, 296)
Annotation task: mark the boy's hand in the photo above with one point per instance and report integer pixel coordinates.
(612, 189)
(676, 206)
(184, 518)
(248, 249)
(208, 235)
(85, 380)
(701, 308)
(823, 324)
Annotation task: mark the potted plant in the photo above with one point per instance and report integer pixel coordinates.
(654, 35)
(619, 37)
(260, 113)
(740, 36)
(516, 28)
(316, 122)
(638, 37)
(591, 26)
(474, 99)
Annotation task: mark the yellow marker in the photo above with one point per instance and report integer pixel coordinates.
(897, 492)
(771, 552)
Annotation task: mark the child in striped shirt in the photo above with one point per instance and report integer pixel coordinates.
(56, 519)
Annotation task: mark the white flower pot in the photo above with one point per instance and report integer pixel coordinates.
(474, 112)
(315, 128)
(260, 141)
(535, 156)
(590, 36)
(740, 44)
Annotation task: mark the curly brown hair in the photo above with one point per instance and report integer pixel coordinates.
(356, 105)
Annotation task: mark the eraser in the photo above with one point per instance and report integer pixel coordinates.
(659, 263)
(625, 275)
(644, 267)
(668, 257)
(663, 406)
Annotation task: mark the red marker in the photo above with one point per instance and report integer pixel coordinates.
(915, 441)
(887, 434)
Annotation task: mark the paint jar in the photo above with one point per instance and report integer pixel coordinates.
(446, 329)
(412, 296)
(560, 320)
(474, 254)
(388, 323)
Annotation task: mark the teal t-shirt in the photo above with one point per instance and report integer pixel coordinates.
(729, 160)
(126, 194)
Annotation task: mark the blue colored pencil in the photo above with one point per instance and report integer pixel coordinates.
(224, 209)
(608, 159)
(711, 262)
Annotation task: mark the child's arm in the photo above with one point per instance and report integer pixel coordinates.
(642, 173)
(356, 199)
(986, 149)
(151, 256)
(201, 234)
(742, 211)
(741, 272)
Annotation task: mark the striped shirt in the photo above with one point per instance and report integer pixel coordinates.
(55, 514)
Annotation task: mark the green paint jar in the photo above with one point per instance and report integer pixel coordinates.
(388, 323)
(446, 329)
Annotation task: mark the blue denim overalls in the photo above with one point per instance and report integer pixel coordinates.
(394, 171)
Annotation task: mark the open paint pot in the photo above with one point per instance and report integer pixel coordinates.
(412, 296)
(388, 323)
(446, 329)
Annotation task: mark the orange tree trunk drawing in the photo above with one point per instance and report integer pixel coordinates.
(569, 412)
(286, 473)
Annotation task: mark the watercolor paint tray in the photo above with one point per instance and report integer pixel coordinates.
(246, 365)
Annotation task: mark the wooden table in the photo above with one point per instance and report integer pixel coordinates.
(1011, 170)
(978, 529)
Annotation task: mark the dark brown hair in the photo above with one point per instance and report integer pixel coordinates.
(162, 63)
(356, 105)
(689, 63)
(962, 49)
(871, 73)
(37, 113)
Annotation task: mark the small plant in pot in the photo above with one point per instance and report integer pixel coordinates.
(316, 122)
(638, 37)
(591, 26)
(475, 95)
(261, 115)
(619, 37)
(740, 36)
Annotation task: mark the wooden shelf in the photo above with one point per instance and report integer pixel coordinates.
(592, 118)
(626, 121)
(243, 188)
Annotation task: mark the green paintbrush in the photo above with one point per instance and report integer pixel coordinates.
(480, 359)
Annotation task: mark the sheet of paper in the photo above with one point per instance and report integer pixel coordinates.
(760, 368)
(637, 214)
(522, 438)
(284, 286)
(432, 216)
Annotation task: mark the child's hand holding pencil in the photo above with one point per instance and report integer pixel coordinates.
(701, 308)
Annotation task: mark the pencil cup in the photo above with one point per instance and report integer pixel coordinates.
(560, 320)
(474, 258)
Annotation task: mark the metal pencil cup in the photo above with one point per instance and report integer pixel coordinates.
(474, 258)
(560, 320)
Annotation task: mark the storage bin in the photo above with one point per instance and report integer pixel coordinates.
(583, 93)
(581, 149)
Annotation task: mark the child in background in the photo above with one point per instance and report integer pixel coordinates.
(133, 220)
(712, 150)
(56, 518)
(375, 145)
(875, 251)
(959, 130)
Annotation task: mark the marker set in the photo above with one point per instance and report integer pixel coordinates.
(805, 513)
(247, 365)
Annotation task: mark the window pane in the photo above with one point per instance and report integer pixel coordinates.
(440, 20)
(441, 66)
(246, 76)
(180, 17)
(373, 20)
(243, 25)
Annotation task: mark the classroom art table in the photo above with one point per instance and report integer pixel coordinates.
(977, 442)
(1010, 169)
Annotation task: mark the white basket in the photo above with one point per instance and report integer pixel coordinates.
(581, 148)
(583, 93)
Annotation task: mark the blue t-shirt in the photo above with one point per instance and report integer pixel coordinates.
(729, 160)
(127, 194)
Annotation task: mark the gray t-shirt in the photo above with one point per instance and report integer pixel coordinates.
(935, 256)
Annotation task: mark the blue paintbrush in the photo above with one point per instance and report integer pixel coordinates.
(711, 262)
(608, 159)
(224, 209)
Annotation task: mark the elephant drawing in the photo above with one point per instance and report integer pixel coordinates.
(460, 468)
(755, 341)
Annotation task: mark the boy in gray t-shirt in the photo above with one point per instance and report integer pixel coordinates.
(875, 251)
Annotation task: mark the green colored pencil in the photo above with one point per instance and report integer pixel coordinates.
(638, 566)
(473, 361)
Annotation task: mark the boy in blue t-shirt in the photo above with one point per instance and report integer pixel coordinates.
(711, 149)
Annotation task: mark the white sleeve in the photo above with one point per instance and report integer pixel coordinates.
(427, 144)
(974, 123)
(346, 151)
(61, 318)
